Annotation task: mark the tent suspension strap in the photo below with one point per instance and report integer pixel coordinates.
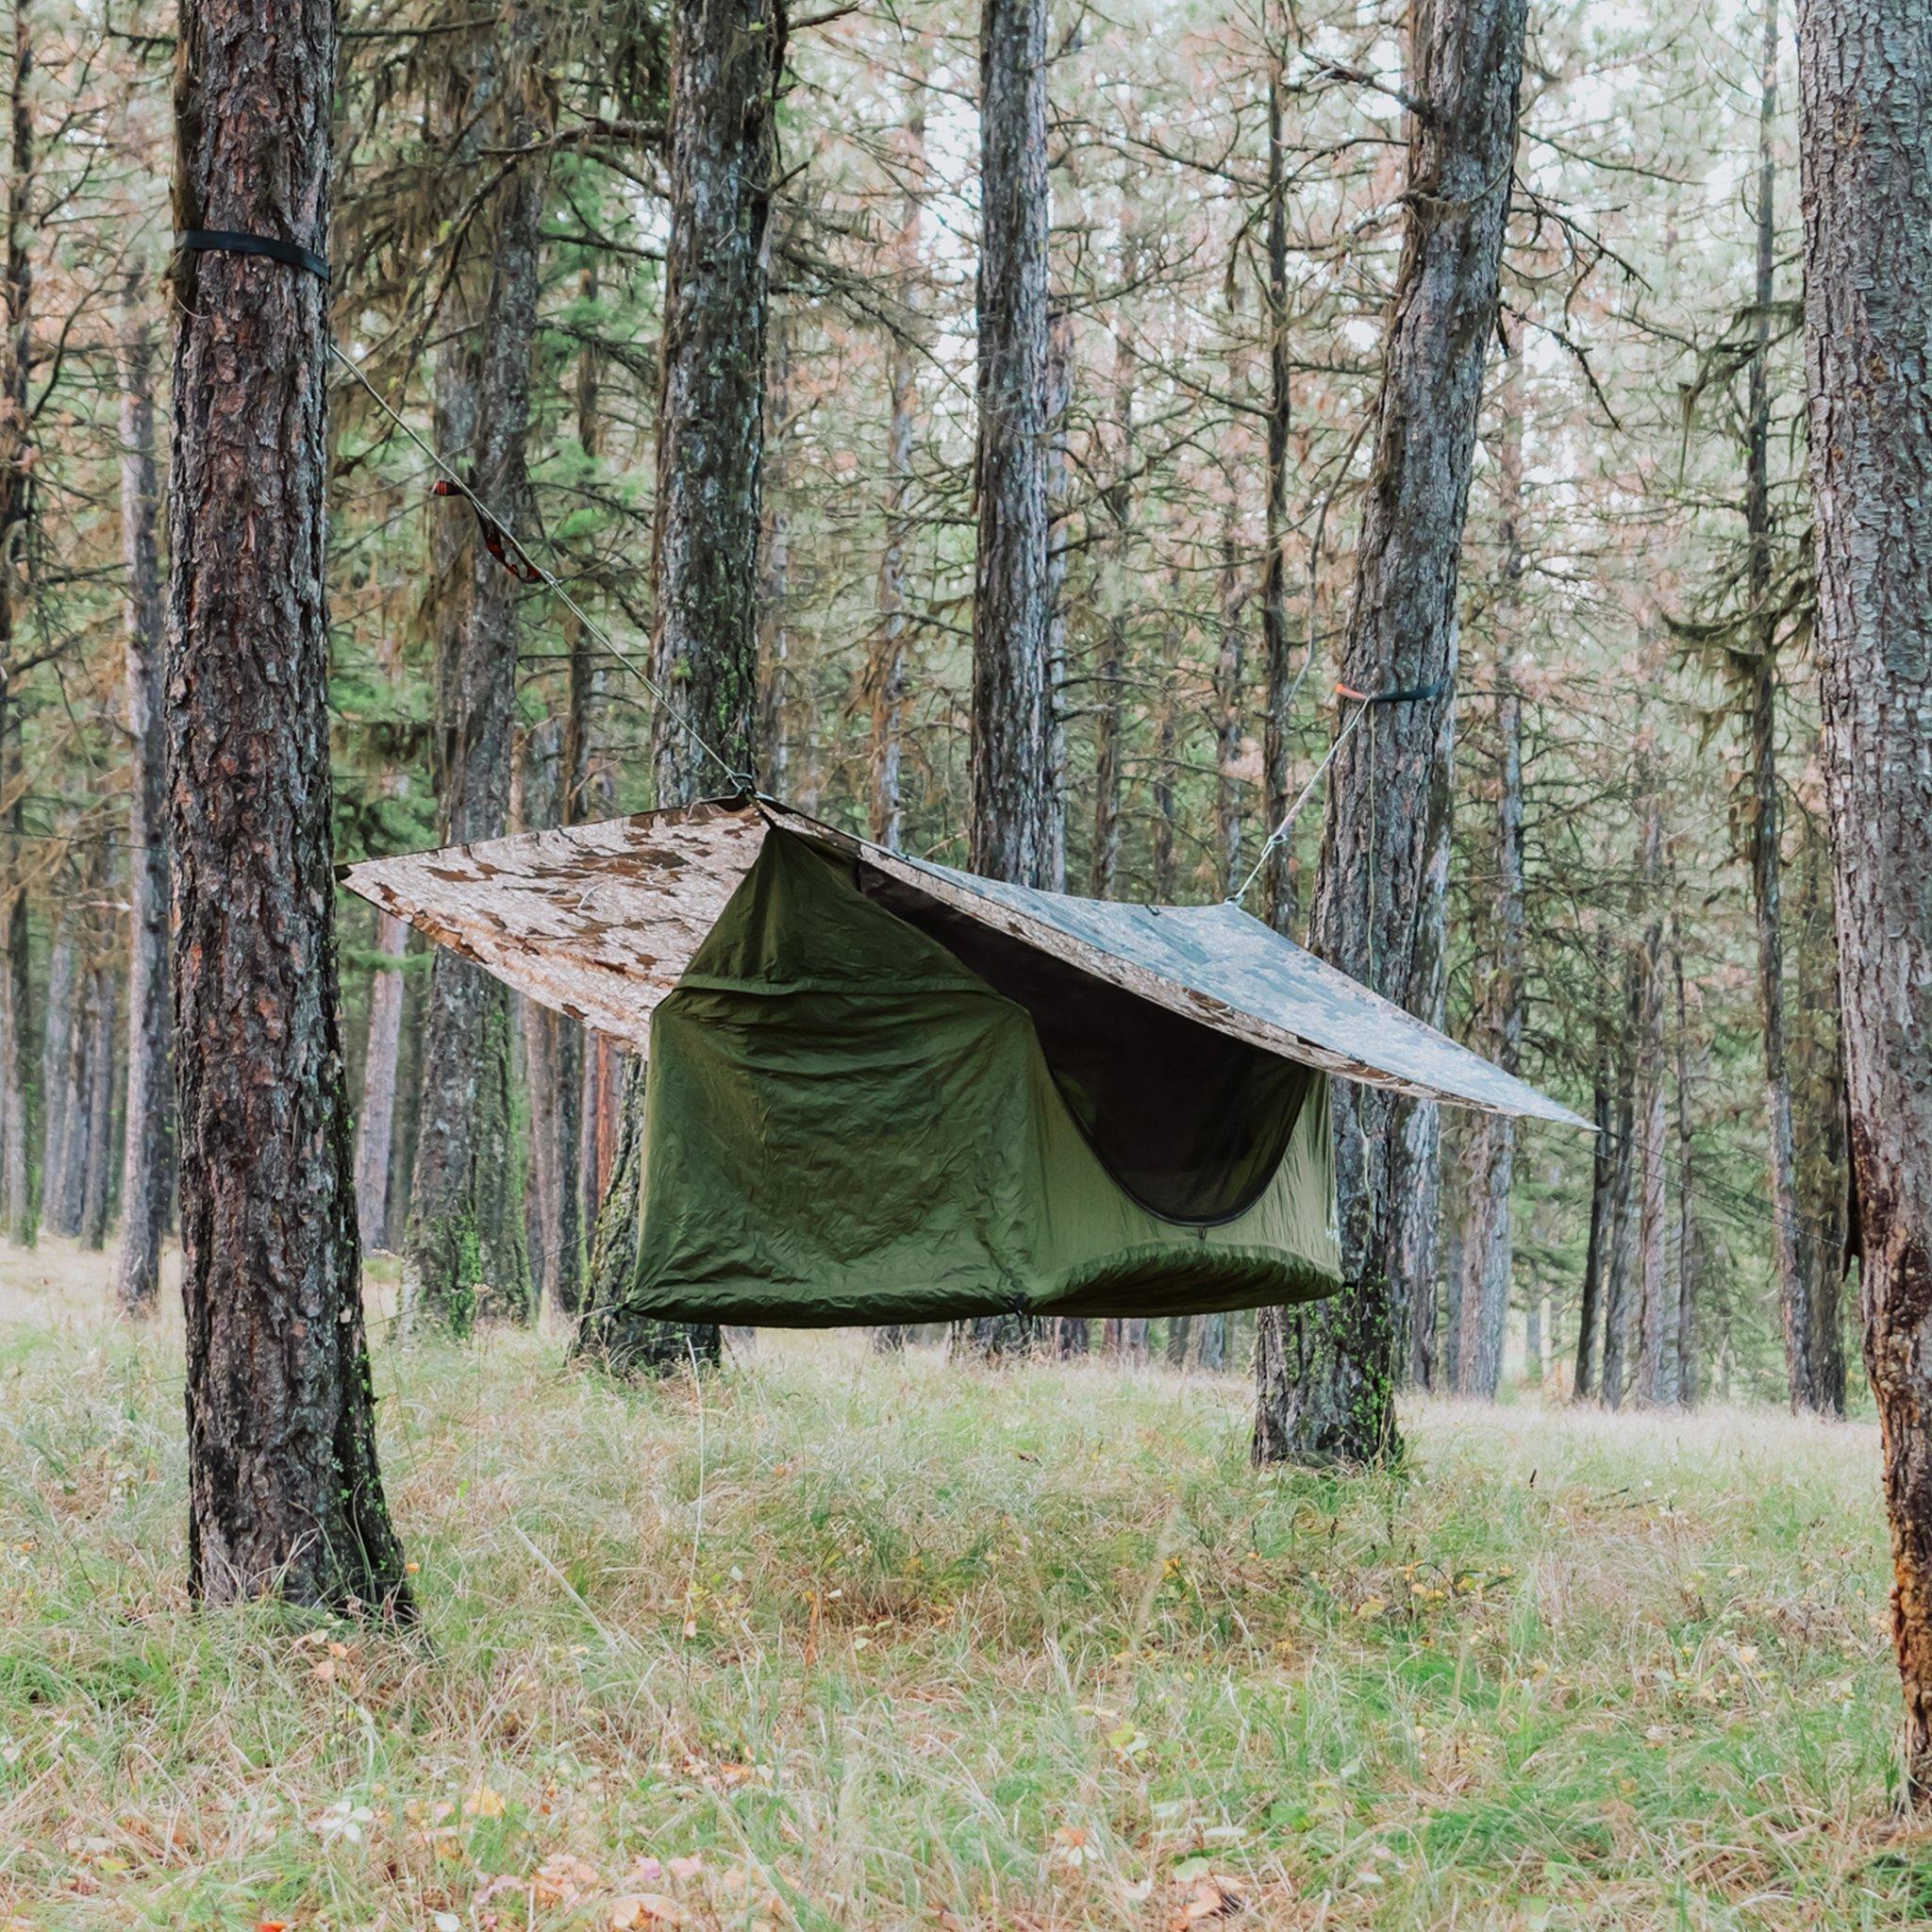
(270, 247)
(1364, 702)
(510, 552)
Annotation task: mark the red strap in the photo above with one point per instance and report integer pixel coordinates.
(494, 540)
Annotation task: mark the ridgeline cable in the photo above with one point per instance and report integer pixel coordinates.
(1365, 701)
(502, 542)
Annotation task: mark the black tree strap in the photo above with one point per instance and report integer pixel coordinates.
(1411, 694)
(227, 241)
(495, 539)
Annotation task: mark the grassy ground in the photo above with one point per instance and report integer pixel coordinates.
(848, 1644)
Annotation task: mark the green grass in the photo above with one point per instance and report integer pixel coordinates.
(887, 1644)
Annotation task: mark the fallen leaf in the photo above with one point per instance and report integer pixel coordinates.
(483, 1803)
(1213, 1898)
(646, 1908)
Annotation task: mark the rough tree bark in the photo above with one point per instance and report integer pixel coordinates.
(375, 1125)
(1656, 1303)
(1488, 1246)
(1014, 827)
(1602, 1194)
(97, 1177)
(1230, 678)
(1690, 1245)
(1865, 79)
(1623, 1174)
(1120, 596)
(1278, 744)
(16, 464)
(886, 674)
(147, 1179)
(284, 1493)
(464, 1250)
(1791, 1251)
(56, 1073)
(727, 56)
(1012, 834)
(1326, 1392)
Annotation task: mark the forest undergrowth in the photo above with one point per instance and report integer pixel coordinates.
(841, 1641)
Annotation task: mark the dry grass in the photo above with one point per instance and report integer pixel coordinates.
(879, 1644)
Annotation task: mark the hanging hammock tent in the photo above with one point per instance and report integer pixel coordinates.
(880, 1090)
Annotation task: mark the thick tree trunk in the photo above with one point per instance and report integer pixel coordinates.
(148, 1161)
(1865, 73)
(727, 56)
(464, 1250)
(1384, 841)
(1015, 826)
(1487, 1248)
(284, 1495)
(1012, 830)
(376, 1123)
(16, 464)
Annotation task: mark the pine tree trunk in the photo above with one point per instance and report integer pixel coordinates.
(537, 804)
(574, 804)
(1622, 1172)
(16, 460)
(1384, 841)
(1279, 885)
(148, 1158)
(1865, 73)
(1689, 1254)
(284, 1493)
(376, 1123)
(98, 1179)
(886, 674)
(1015, 830)
(1163, 786)
(1213, 1349)
(464, 1250)
(1230, 675)
(63, 1171)
(1012, 830)
(1818, 1096)
(56, 1073)
(1790, 1251)
(1487, 1248)
(727, 56)
(1602, 1195)
(1657, 1308)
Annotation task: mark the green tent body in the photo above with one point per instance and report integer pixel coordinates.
(883, 1091)
(844, 1124)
